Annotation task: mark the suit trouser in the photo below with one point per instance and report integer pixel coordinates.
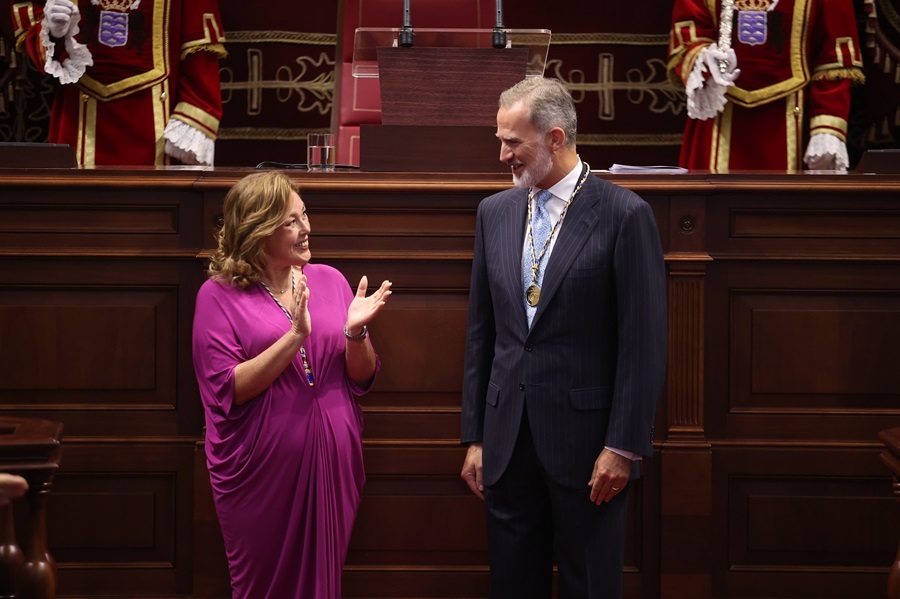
(528, 514)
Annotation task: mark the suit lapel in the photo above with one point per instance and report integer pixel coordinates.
(580, 221)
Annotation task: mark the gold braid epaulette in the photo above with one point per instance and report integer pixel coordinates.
(854, 74)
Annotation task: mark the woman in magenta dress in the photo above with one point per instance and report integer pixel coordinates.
(281, 352)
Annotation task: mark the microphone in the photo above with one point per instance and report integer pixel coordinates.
(498, 40)
(406, 31)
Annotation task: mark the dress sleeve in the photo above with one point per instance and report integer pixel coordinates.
(194, 123)
(693, 29)
(836, 62)
(64, 59)
(216, 351)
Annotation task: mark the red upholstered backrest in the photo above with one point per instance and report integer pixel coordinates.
(358, 101)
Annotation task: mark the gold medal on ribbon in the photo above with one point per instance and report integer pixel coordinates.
(533, 295)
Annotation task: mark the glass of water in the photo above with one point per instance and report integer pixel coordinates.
(320, 151)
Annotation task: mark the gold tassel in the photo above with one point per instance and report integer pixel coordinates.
(855, 75)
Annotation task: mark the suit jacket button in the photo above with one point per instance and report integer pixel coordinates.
(521, 386)
(529, 347)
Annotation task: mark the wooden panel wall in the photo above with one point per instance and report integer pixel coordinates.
(803, 311)
(96, 287)
(784, 305)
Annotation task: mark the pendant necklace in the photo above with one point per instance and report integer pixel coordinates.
(533, 291)
(310, 379)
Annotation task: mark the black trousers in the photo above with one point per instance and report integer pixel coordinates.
(528, 515)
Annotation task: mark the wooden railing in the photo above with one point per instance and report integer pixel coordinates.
(30, 448)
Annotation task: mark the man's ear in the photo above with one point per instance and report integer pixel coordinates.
(557, 138)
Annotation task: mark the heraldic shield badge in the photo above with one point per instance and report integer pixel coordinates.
(751, 27)
(113, 28)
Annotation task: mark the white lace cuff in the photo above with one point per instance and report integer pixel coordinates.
(188, 145)
(71, 68)
(826, 152)
(705, 97)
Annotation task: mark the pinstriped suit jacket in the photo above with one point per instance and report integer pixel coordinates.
(591, 368)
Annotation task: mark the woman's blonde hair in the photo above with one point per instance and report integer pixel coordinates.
(254, 209)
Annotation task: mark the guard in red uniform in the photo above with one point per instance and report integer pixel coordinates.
(767, 82)
(139, 78)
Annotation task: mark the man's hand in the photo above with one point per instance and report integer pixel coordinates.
(471, 470)
(11, 486)
(611, 472)
(58, 16)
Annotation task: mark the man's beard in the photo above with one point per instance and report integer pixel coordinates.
(537, 170)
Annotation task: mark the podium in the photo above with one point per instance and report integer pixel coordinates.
(439, 97)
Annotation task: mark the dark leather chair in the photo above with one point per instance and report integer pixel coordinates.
(29, 447)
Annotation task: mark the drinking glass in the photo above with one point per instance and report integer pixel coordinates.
(320, 151)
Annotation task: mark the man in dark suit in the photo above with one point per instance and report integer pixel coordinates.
(565, 356)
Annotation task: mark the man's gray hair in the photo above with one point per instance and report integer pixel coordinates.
(549, 102)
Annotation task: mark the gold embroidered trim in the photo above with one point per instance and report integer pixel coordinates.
(825, 123)
(194, 115)
(690, 59)
(86, 146)
(829, 131)
(20, 27)
(678, 30)
(160, 116)
(855, 59)
(282, 37)
(826, 120)
(677, 76)
(793, 108)
(856, 76)
(267, 133)
(618, 39)
(637, 139)
(211, 41)
(217, 49)
(760, 5)
(721, 155)
(116, 5)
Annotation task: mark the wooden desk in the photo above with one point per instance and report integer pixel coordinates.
(784, 315)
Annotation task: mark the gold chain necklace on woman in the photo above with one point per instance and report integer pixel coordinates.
(309, 374)
(533, 292)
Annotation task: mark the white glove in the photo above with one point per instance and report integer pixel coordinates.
(826, 152)
(715, 58)
(706, 84)
(58, 16)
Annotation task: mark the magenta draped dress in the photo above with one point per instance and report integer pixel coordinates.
(286, 467)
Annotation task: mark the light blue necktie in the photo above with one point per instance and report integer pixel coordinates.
(540, 231)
